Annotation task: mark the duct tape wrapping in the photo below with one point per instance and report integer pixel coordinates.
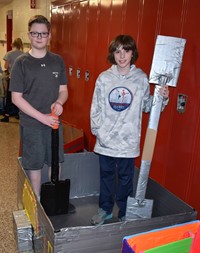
(136, 210)
(155, 109)
(167, 59)
(23, 231)
(142, 180)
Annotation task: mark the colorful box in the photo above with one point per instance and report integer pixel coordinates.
(182, 238)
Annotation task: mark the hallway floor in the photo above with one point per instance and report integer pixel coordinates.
(9, 148)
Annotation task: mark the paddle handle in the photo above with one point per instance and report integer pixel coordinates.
(54, 151)
(149, 144)
(55, 116)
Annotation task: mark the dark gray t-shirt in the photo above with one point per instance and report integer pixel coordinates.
(39, 80)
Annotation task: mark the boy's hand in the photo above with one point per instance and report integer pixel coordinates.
(57, 107)
(55, 124)
(164, 91)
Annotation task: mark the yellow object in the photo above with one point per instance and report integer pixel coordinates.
(30, 205)
(50, 248)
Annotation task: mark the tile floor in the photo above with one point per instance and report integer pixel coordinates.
(9, 148)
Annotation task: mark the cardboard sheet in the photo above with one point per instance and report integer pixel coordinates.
(141, 243)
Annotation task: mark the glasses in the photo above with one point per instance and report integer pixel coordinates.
(37, 34)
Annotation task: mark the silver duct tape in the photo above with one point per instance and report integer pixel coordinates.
(136, 210)
(155, 109)
(81, 184)
(142, 180)
(167, 59)
(39, 240)
(23, 231)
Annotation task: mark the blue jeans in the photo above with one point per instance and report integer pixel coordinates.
(116, 183)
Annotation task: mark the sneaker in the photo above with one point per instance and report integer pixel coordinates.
(5, 119)
(100, 217)
(122, 218)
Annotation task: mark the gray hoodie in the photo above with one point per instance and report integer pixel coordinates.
(116, 111)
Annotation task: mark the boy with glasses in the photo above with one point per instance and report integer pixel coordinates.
(38, 85)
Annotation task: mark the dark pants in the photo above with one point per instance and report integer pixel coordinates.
(8, 104)
(116, 182)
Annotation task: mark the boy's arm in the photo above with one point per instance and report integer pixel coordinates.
(96, 111)
(62, 98)
(6, 64)
(23, 105)
(148, 99)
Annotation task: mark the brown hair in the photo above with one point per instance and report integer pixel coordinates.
(17, 43)
(39, 19)
(127, 42)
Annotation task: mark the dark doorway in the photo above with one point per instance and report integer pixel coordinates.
(9, 28)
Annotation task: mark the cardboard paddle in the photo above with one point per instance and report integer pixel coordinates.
(165, 69)
(55, 194)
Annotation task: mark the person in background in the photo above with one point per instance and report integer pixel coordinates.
(9, 58)
(121, 94)
(2, 92)
(4, 76)
(38, 85)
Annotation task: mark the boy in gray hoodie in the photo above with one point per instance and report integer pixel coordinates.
(121, 94)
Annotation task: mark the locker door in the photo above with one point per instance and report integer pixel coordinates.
(72, 17)
(117, 18)
(67, 30)
(103, 34)
(132, 21)
(92, 57)
(56, 29)
(191, 81)
(165, 20)
(73, 49)
(67, 33)
(105, 21)
(146, 33)
(183, 156)
(75, 32)
(79, 86)
(148, 29)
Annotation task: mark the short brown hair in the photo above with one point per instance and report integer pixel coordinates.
(39, 19)
(127, 42)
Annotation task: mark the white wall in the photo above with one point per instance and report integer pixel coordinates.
(21, 13)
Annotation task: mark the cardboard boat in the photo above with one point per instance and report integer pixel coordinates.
(72, 233)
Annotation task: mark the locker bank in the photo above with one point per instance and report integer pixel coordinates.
(81, 32)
